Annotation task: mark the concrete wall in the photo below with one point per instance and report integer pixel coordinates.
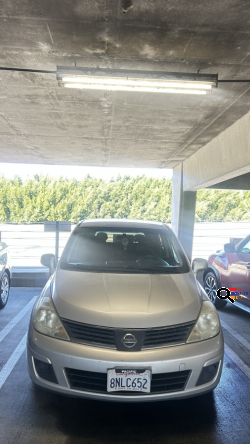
(225, 157)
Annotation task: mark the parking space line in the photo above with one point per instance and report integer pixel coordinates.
(14, 358)
(16, 319)
(236, 359)
(236, 335)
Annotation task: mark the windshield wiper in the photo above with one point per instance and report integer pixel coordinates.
(127, 268)
(163, 270)
(146, 269)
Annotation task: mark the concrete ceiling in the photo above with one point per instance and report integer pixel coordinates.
(42, 123)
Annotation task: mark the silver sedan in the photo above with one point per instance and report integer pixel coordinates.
(123, 318)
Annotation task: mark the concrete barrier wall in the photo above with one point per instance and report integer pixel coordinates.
(28, 242)
(211, 236)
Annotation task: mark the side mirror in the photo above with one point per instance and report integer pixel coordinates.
(229, 248)
(199, 264)
(48, 260)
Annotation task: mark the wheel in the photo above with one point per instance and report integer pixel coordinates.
(5, 289)
(211, 286)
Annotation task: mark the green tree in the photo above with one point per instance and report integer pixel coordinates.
(45, 198)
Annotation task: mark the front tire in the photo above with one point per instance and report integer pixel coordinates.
(4, 290)
(211, 286)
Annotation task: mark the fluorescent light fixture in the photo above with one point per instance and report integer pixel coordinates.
(144, 81)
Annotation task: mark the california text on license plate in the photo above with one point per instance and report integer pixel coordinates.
(129, 380)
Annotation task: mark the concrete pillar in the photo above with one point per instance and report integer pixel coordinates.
(183, 211)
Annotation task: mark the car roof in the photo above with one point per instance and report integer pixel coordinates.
(123, 223)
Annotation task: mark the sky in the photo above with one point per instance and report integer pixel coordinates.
(9, 170)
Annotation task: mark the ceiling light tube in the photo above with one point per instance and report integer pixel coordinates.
(134, 82)
(137, 89)
(144, 81)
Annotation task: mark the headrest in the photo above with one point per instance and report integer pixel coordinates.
(101, 236)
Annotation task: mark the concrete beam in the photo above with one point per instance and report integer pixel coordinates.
(225, 157)
(237, 183)
(183, 211)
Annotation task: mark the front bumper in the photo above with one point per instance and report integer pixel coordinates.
(63, 354)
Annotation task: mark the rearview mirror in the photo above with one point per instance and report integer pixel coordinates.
(48, 260)
(199, 264)
(229, 248)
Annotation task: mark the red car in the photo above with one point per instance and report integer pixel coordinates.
(230, 268)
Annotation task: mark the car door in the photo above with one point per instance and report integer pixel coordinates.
(239, 270)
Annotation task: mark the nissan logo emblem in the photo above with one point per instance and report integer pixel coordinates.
(129, 340)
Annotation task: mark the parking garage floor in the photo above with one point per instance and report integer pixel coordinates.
(28, 415)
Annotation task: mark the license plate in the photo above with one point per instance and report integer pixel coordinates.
(129, 380)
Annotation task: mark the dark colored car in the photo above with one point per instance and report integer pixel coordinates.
(229, 268)
(5, 274)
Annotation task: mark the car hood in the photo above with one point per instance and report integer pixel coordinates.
(126, 300)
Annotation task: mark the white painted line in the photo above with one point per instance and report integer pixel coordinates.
(10, 364)
(16, 319)
(236, 335)
(235, 358)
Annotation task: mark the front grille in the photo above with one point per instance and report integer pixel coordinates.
(111, 337)
(97, 382)
(176, 334)
(90, 334)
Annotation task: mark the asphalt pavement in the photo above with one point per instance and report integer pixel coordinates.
(32, 416)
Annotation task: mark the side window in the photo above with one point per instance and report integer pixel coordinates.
(246, 248)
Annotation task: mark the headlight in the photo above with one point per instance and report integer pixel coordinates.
(207, 325)
(45, 319)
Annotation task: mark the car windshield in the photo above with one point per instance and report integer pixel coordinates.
(124, 250)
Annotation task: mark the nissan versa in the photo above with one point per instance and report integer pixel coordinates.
(123, 318)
